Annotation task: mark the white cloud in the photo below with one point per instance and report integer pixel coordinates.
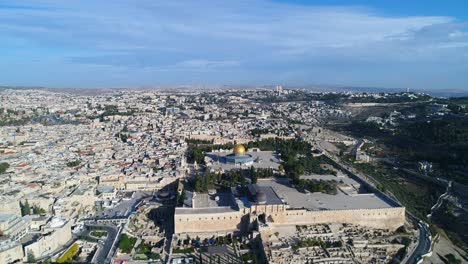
(210, 35)
(196, 65)
(206, 64)
(145, 24)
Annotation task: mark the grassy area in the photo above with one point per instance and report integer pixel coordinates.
(143, 249)
(69, 254)
(98, 233)
(126, 243)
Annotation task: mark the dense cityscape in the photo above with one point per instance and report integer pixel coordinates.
(251, 175)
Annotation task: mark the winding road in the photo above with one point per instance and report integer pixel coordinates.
(424, 245)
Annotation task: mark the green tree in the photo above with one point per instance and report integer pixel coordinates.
(198, 184)
(31, 258)
(451, 259)
(3, 167)
(406, 241)
(253, 175)
(38, 210)
(301, 184)
(73, 163)
(181, 198)
(25, 208)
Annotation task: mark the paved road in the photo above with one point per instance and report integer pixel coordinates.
(167, 248)
(107, 245)
(441, 199)
(424, 241)
(424, 244)
(122, 210)
(114, 246)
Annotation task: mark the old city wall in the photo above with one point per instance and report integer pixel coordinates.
(382, 218)
(266, 209)
(209, 222)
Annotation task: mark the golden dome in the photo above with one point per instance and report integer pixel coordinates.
(239, 149)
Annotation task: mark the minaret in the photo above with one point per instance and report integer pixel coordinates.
(193, 199)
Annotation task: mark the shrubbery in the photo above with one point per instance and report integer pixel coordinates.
(73, 163)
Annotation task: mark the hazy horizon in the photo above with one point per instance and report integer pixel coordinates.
(312, 88)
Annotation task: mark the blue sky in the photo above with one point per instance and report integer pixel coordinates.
(96, 43)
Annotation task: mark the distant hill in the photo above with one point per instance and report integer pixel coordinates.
(313, 88)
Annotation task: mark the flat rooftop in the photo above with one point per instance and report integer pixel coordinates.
(7, 217)
(204, 203)
(205, 200)
(322, 201)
